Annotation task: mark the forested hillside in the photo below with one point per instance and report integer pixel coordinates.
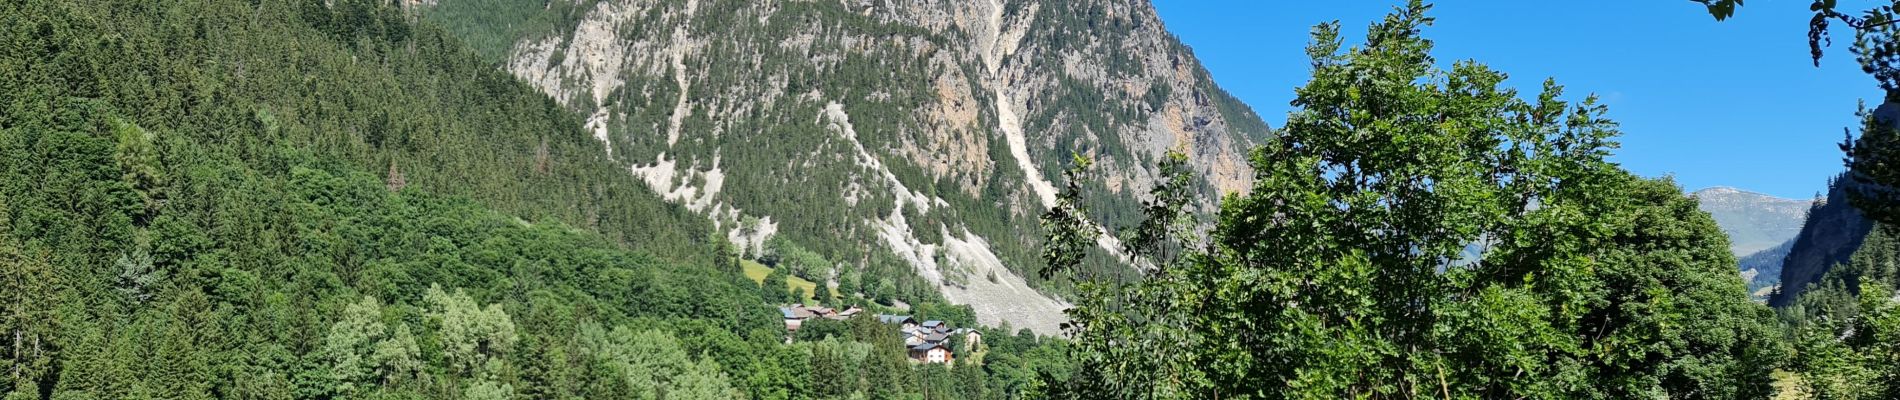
(323, 199)
(1762, 270)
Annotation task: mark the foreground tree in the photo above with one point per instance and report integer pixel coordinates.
(1874, 32)
(1873, 164)
(1847, 326)
(1417, 232)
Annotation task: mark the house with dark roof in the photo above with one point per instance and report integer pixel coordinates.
(905, 321)
(930, 341)
(931, 352)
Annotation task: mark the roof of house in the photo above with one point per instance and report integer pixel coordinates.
(932, 323)
(936, 337)
(926, 346)
(787, 311)
(895, 319)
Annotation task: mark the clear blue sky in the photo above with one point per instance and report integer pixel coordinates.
(1732, 103)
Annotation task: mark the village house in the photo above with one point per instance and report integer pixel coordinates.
(904, 321)
(971, 337)
(933, 353)
(795, 315)
(932, 341)
(792, 318)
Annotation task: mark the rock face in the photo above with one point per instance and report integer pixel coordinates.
(1833, 231)
(924, 132)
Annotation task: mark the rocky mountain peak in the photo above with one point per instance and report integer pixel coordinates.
(927, 134)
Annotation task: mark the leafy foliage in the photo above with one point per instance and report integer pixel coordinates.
(1876, 38)
(1845, 326)
(1342, 274)
(1871, 164)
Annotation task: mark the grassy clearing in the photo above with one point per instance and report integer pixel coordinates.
(757, 272)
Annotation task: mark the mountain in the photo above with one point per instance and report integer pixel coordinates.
(1833, 231)
(1761, 230)
(911, 146)
(1753, 221)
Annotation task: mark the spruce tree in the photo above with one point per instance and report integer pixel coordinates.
(823, 297)
(774, 288)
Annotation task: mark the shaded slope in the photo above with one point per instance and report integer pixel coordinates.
(1762, 269)
(1833, 230)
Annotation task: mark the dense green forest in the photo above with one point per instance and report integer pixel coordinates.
(325, 199)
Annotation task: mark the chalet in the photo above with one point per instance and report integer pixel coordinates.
(836, 315)
(792, 318)
(972, 339)
(796, 314)
(933, 353)
(904, 321)
(931, 341)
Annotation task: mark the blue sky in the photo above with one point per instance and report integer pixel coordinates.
(1732, 103)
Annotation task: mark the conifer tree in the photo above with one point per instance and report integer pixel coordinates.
(774, 287)
(823, 295)
(29, 321)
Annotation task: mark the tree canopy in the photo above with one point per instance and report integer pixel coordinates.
(1418, 232)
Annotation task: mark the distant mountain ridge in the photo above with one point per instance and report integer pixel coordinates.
(1753, 221)
(1761, 230)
